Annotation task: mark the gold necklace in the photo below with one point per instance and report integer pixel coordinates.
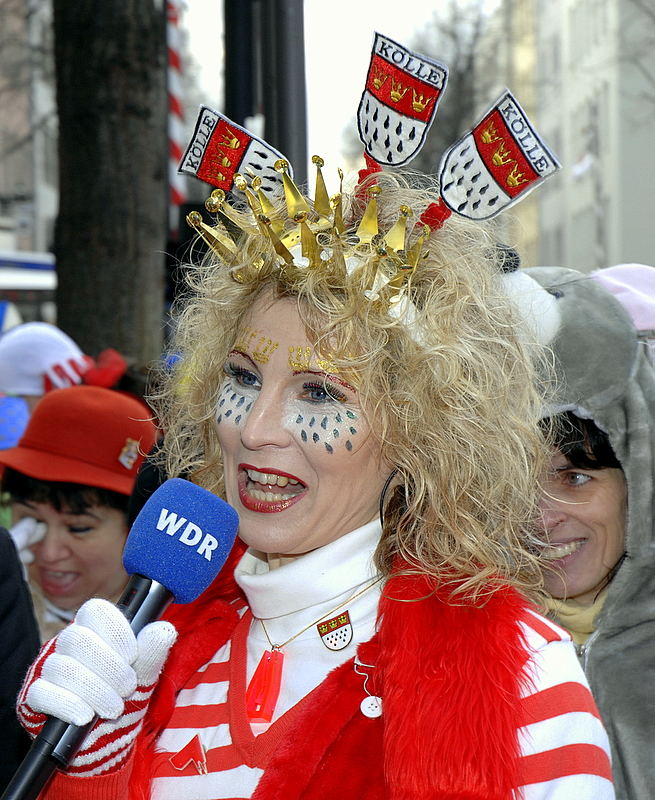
(264, 688)
(357, 594)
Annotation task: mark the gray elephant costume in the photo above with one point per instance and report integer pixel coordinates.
(605, 374)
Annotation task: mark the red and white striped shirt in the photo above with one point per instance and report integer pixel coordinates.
(562, 739)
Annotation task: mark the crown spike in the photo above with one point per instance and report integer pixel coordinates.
(223, 246)
(268, 210)
(265, 226)
(252, 200)
(368, 227)
(216, 204)
(337, 259)
(294, 200)
(337, 206)
(414, 252)
(321, 197)
(396, 235)
(310, 248)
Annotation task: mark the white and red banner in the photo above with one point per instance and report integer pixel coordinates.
(496, 163)
(219, 149)
(399, 101)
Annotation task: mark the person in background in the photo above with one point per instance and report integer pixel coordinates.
(69, 479)
(112, 370)
(599, 500)
(368, 404)
(10, 316)
(19, 644)
(35, 358)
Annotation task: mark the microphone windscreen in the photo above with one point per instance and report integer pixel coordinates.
(181, 538)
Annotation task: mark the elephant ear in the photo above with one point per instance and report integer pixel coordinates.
(595, 342)
(539, 308)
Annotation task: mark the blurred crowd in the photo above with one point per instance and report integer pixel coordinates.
(74, 431)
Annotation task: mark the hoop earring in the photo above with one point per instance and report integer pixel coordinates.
(385, 488)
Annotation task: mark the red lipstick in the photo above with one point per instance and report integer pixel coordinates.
(266, 506)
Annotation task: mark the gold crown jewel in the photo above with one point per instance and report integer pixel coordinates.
(310, 234)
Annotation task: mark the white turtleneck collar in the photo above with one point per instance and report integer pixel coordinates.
(287, 603)
(315, 578)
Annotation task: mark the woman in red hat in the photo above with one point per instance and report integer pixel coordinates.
(69, 479)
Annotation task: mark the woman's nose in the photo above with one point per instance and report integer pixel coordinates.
(553, 511)
(53, 547)
(265, 424)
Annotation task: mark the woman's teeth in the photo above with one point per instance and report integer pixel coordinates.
(270, 479)
(553, 552)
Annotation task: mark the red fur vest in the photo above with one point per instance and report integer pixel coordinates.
(449, 678)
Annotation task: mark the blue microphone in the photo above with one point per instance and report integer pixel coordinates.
(177, 545)
(179, 541)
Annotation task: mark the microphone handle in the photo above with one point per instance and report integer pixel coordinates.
(143, 601)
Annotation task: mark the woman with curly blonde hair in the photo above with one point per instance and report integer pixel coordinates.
(366, 397)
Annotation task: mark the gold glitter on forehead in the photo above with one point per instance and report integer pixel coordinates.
(302, 359)
(299, 358)
(260, 347)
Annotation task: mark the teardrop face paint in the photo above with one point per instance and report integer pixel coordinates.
(232, 403)
(302, 466)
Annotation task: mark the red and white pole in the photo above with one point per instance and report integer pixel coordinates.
(176, 133)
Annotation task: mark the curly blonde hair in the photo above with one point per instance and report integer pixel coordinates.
(455, 396)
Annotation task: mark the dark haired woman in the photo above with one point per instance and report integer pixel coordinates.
(597, 507)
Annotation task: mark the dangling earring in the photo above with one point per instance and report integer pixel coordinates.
(385, 488)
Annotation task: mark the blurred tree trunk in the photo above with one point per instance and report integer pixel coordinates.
(110, 235)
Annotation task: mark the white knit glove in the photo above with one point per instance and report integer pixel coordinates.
(26, 532)
(97, 667)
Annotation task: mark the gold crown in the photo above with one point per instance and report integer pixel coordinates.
(419, 101)
(490, 134)
(379, 77)
(311, 234)
(502, 155)
(398, 91)
(516, 178)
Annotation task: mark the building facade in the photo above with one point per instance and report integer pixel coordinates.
(595, 88)
(28, 126)
(584, 71)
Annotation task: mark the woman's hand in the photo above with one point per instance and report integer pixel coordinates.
(97, 667)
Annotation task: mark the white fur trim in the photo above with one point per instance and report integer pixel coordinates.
(537, 306)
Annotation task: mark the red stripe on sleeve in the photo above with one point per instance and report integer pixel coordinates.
(561, 699)
(548, 630)
(572, 759)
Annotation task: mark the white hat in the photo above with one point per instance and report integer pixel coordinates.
(36, 357)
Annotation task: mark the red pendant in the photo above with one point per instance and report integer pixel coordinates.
(264, 689)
